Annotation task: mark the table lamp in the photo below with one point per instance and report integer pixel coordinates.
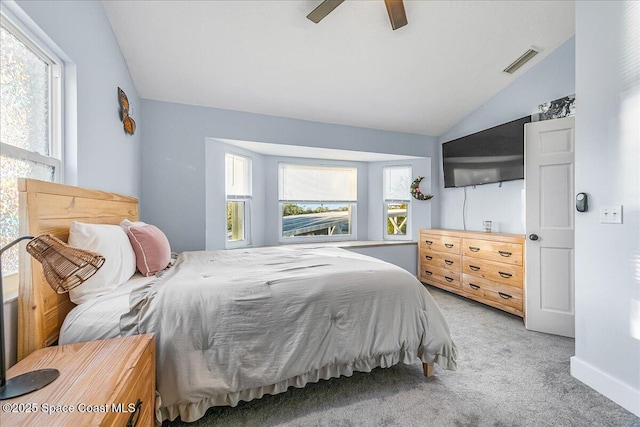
(64, 268)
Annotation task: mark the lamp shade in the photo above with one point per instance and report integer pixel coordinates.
(64, 267)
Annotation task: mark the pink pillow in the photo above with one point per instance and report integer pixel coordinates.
(153, 252)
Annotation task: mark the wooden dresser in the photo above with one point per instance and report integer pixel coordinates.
(485, 267)
(101, 383)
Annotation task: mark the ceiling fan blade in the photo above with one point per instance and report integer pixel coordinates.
(397, 15)
(325, 8)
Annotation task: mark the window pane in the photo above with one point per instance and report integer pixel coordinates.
(235, 221)
(24, 104)
(396, 219)
(316, 219)
(10, 170)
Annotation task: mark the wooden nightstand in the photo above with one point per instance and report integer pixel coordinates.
(101, 383)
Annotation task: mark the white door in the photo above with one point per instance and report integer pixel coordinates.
(550, 204)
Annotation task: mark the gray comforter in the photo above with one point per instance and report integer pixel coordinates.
(235, 325)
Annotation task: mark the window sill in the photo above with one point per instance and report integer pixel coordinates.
(356, 243)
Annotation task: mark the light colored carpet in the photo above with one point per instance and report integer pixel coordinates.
(507, 376)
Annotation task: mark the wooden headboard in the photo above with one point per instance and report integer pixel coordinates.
(49, 208)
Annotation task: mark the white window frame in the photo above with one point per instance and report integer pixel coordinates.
(386, 202)
(353, 206)
(55, 107)
(25, 33)
(233, 244)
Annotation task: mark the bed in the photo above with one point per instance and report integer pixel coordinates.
(232, 326)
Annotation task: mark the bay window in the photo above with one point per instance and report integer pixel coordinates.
(317, 202)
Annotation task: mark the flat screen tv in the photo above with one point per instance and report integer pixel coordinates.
(491, 155)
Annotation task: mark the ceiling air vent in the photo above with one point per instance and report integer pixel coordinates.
(521, 61)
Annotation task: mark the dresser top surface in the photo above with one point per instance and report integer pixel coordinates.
(518, 238)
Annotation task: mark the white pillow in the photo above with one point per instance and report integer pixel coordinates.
(125, 223)
(112, 243)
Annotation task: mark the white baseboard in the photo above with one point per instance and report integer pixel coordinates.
(621, 393)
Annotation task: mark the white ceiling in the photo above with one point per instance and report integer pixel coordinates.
(351, 69)
(284, 150)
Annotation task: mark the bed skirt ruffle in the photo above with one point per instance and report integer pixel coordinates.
(193, 411)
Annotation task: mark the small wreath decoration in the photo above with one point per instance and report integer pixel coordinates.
(415, 190)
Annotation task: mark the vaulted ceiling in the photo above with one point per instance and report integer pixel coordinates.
(351, 68)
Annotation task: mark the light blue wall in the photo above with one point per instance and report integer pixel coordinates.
(551, 79)
(106, 158)
(607, 156)
(174, 161)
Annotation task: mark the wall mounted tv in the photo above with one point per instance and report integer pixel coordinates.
(492, 155)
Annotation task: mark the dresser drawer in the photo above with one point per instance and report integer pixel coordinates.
(137, 396)
(509, 253)
(431, 274)
(441, 259)
(508, 274)
(433, 242)
(496, 292)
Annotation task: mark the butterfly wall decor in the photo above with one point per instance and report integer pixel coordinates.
(127, 120)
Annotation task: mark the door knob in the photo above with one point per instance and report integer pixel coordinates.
(533, 237)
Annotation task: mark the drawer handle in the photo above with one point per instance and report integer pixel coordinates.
(505, 275)
(135, 415)
(473, 249)
(429, 242)
(428, 273)
(505, 296)
(448, 262)
(505, 253)
(448, 279)
(449, 245)
(474, 267)
(428, 257)
(474, 287)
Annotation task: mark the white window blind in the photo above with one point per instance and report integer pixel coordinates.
(397, 183)
(317, 183)
(238, 176)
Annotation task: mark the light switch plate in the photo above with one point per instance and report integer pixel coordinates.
(611, 214)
